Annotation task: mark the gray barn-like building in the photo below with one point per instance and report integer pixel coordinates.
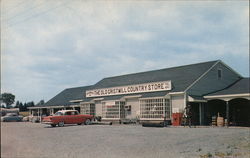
(208, 88)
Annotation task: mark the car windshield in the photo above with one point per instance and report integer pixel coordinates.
(58, 113)
(11, 114)
(76, 113)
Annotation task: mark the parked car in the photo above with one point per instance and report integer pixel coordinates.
(67, 117)
(11, 117)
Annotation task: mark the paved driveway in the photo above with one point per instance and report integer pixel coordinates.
(35, 140)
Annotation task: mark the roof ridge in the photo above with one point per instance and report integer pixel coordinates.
(79, 87)
(159, 69)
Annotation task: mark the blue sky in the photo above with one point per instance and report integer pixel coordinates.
(47, 46)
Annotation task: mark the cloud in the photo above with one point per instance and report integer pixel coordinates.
(138, 35)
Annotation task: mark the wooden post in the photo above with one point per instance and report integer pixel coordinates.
(119, 107)
(38, 113)
(200, 113)
(227, 112)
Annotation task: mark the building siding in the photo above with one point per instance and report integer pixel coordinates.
(98, 108)
(211, 83)
(135, 107)
(177, 103)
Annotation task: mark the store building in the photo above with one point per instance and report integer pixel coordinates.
(208, 88)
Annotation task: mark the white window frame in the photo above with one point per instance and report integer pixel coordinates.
(154, 108)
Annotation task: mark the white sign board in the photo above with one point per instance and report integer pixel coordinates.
(130, 89)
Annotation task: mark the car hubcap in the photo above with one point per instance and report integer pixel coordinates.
(87, 122)
(61, 124)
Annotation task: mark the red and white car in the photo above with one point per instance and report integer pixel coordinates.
(67, 117)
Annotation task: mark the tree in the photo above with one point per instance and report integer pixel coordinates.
(20, 106)
(25, 107)
(17, 104)
(30, 104)
(8, 99)
(41, 102)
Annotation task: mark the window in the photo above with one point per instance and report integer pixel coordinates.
(113, 109)
(154, 108)
(68, 113)
(128, 107)
(128, 110)
(75, 113)
(58, 114)
(88, 109)
(219, 74)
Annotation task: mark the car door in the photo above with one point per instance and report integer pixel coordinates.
(68, 117)
(14, 117)
(77, 117)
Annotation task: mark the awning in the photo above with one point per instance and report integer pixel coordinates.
(192, 98)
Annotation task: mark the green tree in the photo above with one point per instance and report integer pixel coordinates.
(25, 106)
(17, 104)
(41, 102)
(20, 106)
(8, 99)
(30, 104)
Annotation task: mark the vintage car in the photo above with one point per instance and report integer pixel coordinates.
(67, 117)
(11, 117)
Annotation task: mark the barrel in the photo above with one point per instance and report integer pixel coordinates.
(220, 121)
(214, 122)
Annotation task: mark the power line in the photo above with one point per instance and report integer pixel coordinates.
(24, 12)
(16, 6)
(37, 15)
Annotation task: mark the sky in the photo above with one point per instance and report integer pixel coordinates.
(47, 46)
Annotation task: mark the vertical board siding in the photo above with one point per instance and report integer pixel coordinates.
(211, 83)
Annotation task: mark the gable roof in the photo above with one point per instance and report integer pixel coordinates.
(240, 87)
(64, 97)
(181, 76)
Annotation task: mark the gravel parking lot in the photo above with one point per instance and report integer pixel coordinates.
(35, 140)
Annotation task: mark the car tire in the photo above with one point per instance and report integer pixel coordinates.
(53, 125)
(79, 124)
(87, 122)
(61, 124)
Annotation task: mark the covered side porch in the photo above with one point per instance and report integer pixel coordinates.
(234, 108)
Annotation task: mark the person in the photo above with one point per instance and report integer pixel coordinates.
(188, 114)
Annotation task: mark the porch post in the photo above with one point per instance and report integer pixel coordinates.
(200, 111)
(227, 112)
(38, 113)
(119, 107)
